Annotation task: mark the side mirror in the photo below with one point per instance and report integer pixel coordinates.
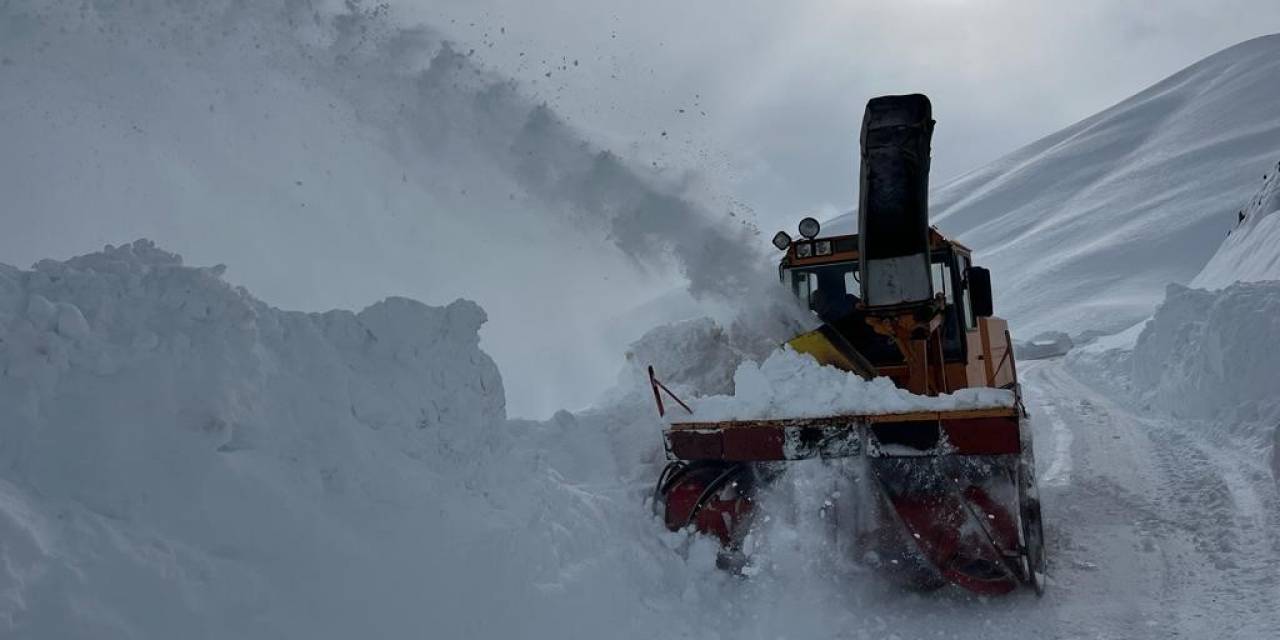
(979, 280)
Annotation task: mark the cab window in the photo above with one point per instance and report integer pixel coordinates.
(970, 322)
(831, 290)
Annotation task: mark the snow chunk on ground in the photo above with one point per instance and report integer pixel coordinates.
(789, 384)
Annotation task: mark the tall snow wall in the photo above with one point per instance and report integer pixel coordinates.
(1214, 355)
(179, 459)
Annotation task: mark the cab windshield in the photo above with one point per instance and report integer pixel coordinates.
(834, 290)
(831, 290)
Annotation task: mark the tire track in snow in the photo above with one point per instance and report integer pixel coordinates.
(1121, 552)
(1059, 472)
(1210, 510)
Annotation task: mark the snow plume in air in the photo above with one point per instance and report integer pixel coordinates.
(333, 156)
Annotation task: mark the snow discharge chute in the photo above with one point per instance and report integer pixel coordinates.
(952, 498)
(893, 201)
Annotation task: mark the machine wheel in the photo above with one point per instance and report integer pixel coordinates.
(712, 496)
(1033, 534)
(1034, 556)
(670, 474)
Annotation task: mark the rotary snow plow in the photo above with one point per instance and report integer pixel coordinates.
(953, 496)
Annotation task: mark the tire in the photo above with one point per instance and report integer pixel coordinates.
(1032, 525)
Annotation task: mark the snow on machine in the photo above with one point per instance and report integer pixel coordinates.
(954, 495)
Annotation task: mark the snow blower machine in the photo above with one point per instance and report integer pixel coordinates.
(952, 493)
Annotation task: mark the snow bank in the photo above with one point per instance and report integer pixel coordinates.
(178, 459)
(81, 335)
(1214, 355)
(771, 389)
(1206, 353)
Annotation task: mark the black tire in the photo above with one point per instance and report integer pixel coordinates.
(1033, 541)
(1032, 525)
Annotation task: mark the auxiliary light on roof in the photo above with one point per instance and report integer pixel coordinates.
(809, 228)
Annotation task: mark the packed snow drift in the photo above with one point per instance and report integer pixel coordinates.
(1210, 358)
(1213, 353)
(182, 460)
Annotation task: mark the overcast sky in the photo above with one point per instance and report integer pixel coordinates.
(783, 84)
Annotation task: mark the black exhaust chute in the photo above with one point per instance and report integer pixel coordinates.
(893, 202)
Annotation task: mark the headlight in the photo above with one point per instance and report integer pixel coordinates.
(822, 248)
(782, 241)
(809, 228)
(804, 249)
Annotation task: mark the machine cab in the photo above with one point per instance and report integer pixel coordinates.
(823, 272)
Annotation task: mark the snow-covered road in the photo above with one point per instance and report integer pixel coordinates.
(1154, 528)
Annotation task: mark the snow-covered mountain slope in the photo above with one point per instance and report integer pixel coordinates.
(1084, 228)
(1252, 251)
